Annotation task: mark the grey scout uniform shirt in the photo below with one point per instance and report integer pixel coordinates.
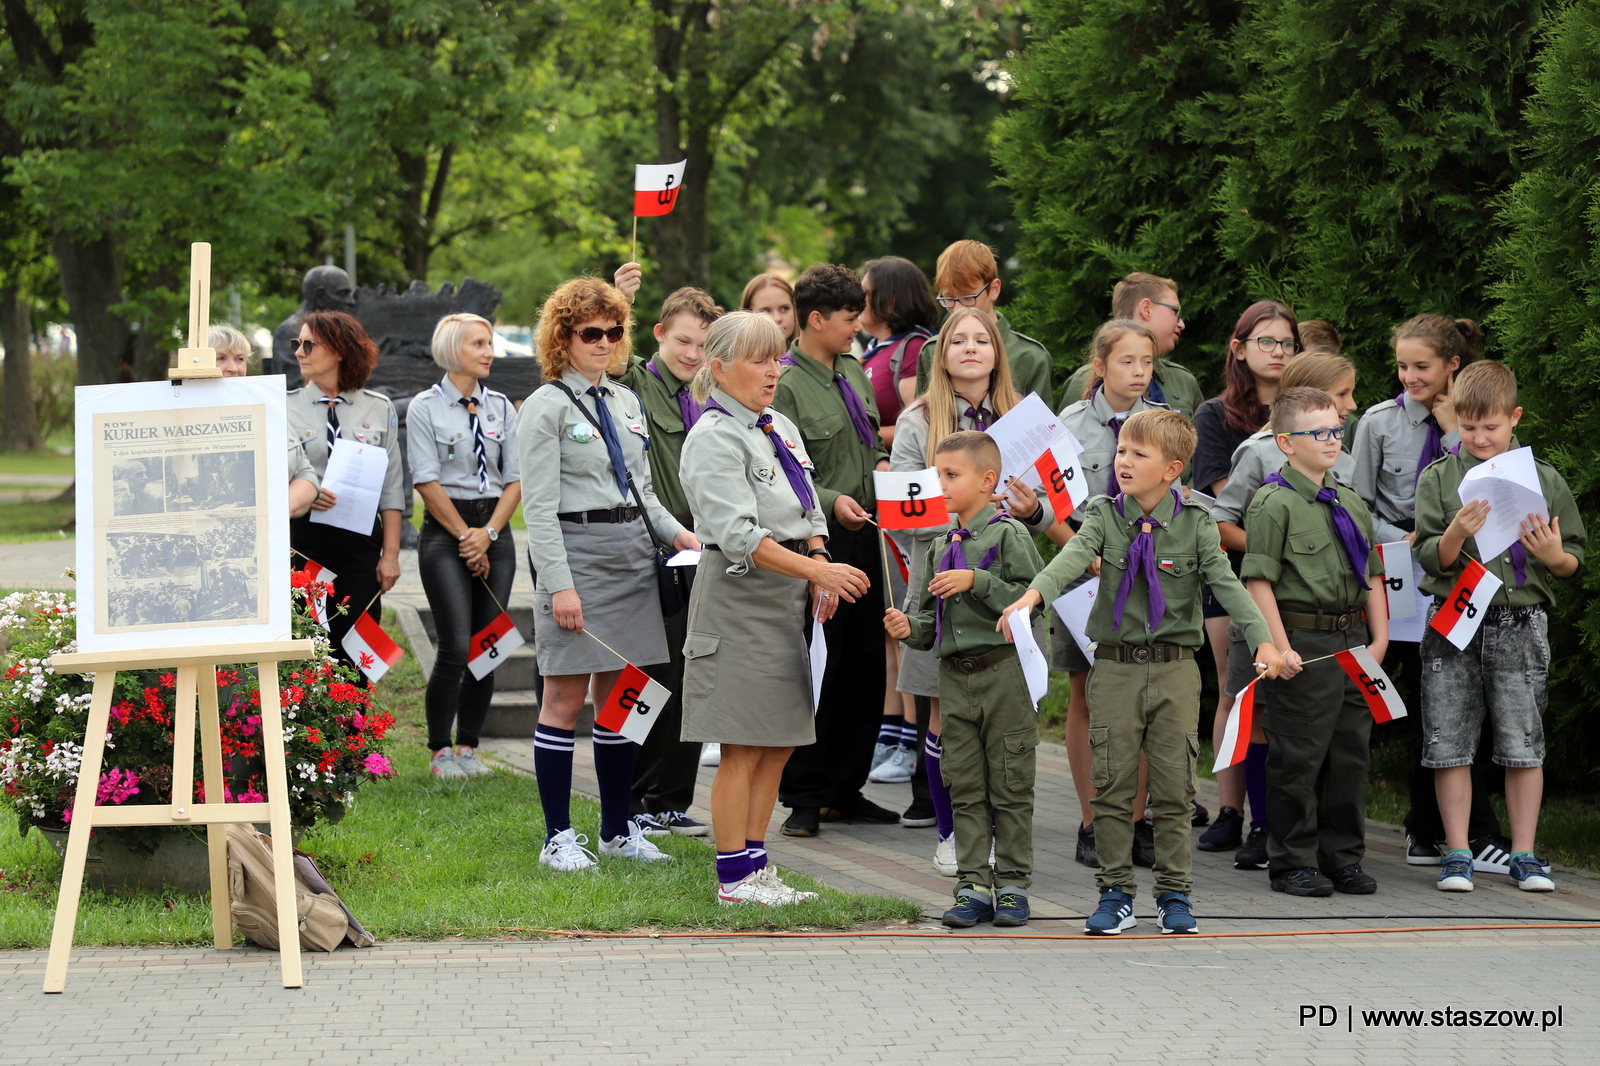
(1090, 422)
(1290, 541)
(807, 395)
(364, 416)
(667, 431)
(970, 617)
(1188, 552)
(300, 468)
(1388, 443)
(1179, 389)
(1437, 504)
(737, 491)
(1030, 363)
(574, 475)
(1253, 460)
(440, 447)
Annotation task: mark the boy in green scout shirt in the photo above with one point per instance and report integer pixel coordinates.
(990, 728)
(1144, 689)
(1309, 564)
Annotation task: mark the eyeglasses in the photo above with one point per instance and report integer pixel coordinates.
(305, 344)
(592, 334)
(1176, 310)
(1268, 345)
(948, 302)
(1321, 436)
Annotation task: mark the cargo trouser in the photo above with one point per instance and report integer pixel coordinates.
(1318, 728)
(990, 742)
(1154, 707)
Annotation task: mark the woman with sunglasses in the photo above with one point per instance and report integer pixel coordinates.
(590, 510)
(336, 358)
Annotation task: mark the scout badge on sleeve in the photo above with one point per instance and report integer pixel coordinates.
(634, 704)
(1061, 476)
(492, 645)
(910, 499)
(1236, 737)
(370, 647)
(1459, 617)
(1402, 599)
(1375, 686)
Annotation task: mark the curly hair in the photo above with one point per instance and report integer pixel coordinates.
(570, 306)
(349, 343)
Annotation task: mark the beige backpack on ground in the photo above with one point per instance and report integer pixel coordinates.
(325, 922)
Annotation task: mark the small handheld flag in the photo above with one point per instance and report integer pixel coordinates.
(910, 499)
(655, 188)
(492, 645)
(1375, 686)
(1241, 723)
(634, 704)
(1458, 619)
(1402, 598)
(1061, 477)
(370, 647)
(323, 576)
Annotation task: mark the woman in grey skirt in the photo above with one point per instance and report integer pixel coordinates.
(747, 676)
(589, 508)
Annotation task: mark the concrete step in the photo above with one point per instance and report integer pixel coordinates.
(514, 713)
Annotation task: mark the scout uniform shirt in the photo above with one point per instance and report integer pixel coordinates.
(1029, 362)
(1437, 504)
(365, 416)
(807, 395)
(1253, 460)
(439, 441)
(1290, 541)
(970, 617)
(1188, 552)
(667, 431)
(1389, 440)
(1179, 389)
(300, 468)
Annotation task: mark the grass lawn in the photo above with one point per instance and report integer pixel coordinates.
(38, 515)
(38, 462)
(419, 859)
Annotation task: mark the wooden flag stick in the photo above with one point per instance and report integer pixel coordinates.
(496, 599)
(635, 258)
(884, 551)
(588, 633)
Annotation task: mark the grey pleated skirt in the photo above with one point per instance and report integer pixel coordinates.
(919, 670)
(614, 573)
(746, 670)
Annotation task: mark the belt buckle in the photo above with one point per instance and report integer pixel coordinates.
(1344, 621)
(968, 664)
(1143, 653)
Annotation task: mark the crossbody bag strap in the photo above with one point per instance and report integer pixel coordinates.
(628, 474)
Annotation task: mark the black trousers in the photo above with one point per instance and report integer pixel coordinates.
(830, 772)
(665, 767)
(462, 605)
(1423, 821)
(353, 558)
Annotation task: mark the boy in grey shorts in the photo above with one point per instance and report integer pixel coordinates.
(1503, 672)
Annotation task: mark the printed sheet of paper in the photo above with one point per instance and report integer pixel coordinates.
(355, 475)
(1035, 667)
(687, 557)
(1203, 498)
(819, 663)
(1024, 433)
(1074, 606)
(1510, 483)
(1410, 628)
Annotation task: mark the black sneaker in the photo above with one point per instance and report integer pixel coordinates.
(861, 811)
(919, 815)
(681, 824)
(1354, 881)
(972, 906)
(1253, 855)
(1304, 882)
(802, 823)
(1144, 845)
(1422, 853)
(1225, 834)
(1492, 855)
(1201, 816)
(1086, 853)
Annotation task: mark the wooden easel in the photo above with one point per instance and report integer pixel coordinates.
(197, 677)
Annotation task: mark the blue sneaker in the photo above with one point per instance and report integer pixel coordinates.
(1173, 910)
(973, 905)
(1456, 873)
(1528, 875)
(1010, 908)
(1114, 914)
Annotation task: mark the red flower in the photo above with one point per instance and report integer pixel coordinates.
(299, 579)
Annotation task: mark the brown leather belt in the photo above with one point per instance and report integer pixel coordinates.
(1327, 621)
(971, 664)
(1142, 653)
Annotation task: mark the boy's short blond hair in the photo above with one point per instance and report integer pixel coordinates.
(1292, 403)
(1485, 388)
(975, 445)
(691, 301)
(1134, 289)
(1168, 431)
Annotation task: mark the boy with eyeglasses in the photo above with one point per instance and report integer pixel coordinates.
(1309, 565)
(1152, 302)
(968, 276)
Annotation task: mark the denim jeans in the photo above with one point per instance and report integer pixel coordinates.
(1503, 673)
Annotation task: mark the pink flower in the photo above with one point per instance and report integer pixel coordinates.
(116, 786)
(377, 765)
(250, 795)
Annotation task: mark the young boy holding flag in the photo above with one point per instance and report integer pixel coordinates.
(1309, 565)
(1486, 651)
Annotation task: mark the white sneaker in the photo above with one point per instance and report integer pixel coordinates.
(769, 877)
(711, 755)
(752, 889)
(469, 764)
(566, 852)
(896, 769)
(446, 767)
(944, 857)
(881, 751)
(634, 846)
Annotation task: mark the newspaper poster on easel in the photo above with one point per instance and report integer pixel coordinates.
(183, 564)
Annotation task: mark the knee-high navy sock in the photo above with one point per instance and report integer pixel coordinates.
(613, 767)
(1255, 783)
(937, 790)
(552, 766)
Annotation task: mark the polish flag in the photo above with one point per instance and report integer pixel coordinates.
(1241, 723)
(1402, 598)
(910, 499)
(492, 645)
(1062, 477)
(321, 574)
(899, 557)
(634, 704)
(370, 647)
(1375, 686)
(655, 188)
(1462, 613)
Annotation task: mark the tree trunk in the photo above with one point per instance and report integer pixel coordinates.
(19, 427)
(91, 279)
(681, 240)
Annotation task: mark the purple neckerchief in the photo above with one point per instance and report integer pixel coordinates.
(979, 414)
(1519, 555)
(786, 458)
(1355, 545)
(955, 558)
(1115, 425)
(1432, 445)
(852, 402)
(691, 411)
(1142, 558)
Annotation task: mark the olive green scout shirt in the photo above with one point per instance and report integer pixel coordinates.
(1188, 554)
(970, 617)
(807, 394)
(1030, 363)
(1290, 541)
(667, 433)
(1179, 389)
(1437, 504)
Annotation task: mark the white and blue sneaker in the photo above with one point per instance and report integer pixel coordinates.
(1114, 914)
(880, 752)
(1176, 917)
(635, 845)
(896, 769)
(1528, 875)
(1455, 874)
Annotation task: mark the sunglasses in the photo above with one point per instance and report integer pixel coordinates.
(304, 345)
(592, 334)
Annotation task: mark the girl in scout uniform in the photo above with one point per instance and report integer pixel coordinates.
(463, 451)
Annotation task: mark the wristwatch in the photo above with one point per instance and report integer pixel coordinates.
(494, 534)
(820, 551)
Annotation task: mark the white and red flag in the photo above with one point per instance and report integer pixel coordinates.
(1062, 476)
(910, 499)
(492, 644)
(370, 647)
(634, 704)
(322, 576)
(1375, 686)
(1458, 619)
(1402, 598)
(655, 188)
(1241, 723)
